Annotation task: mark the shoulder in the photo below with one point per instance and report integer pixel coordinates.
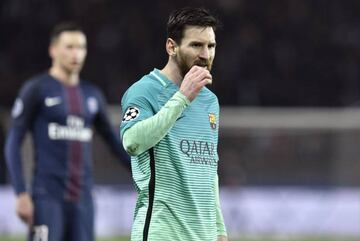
(35, 83)
(93, 95)
(208, 98)
(85, 84)
(38, 80)
(90, 88)
(29, 95)
(207, 93)
(146, 86)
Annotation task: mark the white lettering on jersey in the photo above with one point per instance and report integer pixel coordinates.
(75, 130)
(51, 101)
(75, 121)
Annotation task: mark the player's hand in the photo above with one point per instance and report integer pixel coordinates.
(25, 208)
(194, 80)
(222, 238)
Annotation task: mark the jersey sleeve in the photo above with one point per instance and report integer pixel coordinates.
(138, 103)
(221, 229)
(147, 133)
(23, 114)
(104, 126)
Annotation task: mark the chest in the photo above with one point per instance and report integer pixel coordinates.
(198, 122)
(200, 118)
(74, 106)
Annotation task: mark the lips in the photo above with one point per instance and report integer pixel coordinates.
(202, 64)
(75, 63)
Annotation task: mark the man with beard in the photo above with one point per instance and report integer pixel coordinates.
(170, 127)
(60, 110)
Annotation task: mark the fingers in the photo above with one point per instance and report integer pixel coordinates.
(26, 215)
(197, 74)
(194, 81)
(27, 218)
(222, 238)
(24, 208)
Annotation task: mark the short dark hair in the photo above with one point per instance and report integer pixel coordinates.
(187, 16)
(64, 27)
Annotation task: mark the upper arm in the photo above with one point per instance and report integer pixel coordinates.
(23, 114)
(137, 104)
(25, 106)
(102, 121)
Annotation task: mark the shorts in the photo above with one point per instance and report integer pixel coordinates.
(59, 220)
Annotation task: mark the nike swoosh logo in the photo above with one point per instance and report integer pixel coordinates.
(51, 101)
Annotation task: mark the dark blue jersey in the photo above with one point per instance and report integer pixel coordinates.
(60, 118)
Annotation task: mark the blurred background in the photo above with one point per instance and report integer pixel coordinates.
(287, 77)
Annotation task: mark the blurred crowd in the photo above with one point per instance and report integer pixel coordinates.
(270, 53)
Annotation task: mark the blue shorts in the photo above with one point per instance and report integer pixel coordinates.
(59, 220)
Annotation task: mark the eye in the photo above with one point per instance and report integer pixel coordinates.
(72, 46)
(69, 46)
(211, 46)
(196, 45)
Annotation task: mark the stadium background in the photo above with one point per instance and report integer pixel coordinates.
(288, 79)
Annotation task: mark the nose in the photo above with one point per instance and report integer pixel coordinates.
(205, 53)
(77, 53)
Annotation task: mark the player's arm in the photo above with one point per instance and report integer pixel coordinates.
(147, 133)
(222, 238)
(23, 113)
(105, 128)
(221, 229)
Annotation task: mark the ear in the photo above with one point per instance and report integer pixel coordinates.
(171, 47)
(51, 51)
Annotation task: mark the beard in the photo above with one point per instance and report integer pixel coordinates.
(185, 65)
(72, 69)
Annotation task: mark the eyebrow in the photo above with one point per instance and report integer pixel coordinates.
(202, 43)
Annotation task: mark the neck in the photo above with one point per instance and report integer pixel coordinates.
(172, 72)
(65, 77)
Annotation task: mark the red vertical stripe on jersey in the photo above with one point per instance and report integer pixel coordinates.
(75, 148)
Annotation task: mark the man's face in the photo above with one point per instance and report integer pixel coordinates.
(69, 51)
(197, 48)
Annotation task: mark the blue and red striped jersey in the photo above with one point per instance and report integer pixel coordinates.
(61, 119)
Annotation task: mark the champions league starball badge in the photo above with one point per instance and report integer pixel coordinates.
(131, 114)
(17, 108)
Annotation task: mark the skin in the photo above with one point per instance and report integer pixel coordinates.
(68, 53)
(190, 63)
(25, 208)
(222, 238)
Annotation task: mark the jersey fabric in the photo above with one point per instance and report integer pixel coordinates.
(60, 119)
(175, 178)
(146, 133)
(59, 220)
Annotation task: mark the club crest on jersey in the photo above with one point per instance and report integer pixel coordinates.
(93, 105)
(212, 120)
(131, 114)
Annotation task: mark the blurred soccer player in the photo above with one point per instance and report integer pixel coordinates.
(60, 110)
(170, 127)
